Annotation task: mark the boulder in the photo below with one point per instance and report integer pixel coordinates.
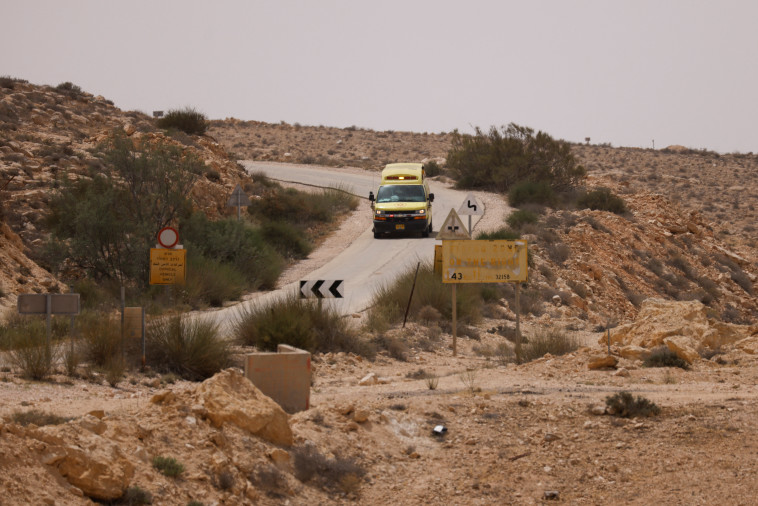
(683, 347)
(659, 319)
(602, 362)
(89, 462)
(229, 397)
(632, 352)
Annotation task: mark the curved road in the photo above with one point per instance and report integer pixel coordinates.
(367, 263)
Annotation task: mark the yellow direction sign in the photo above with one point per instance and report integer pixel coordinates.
(484, 261)
(167, 266)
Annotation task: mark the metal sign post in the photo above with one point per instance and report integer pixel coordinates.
(49, 304)
(238, 199)
(484, 261)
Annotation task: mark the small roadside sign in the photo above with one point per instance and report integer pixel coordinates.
(168, 237)
(168, 266)
(322, 288)
(60, 303)
(471, 206)
(453, 228)
(238, 198)
(484, 261)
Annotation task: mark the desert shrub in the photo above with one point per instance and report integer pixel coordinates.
(558, 252)
(100, 337)
(521, 217)
(168, 466)
(115, 369)
(9, 82)
(189, 347)
(188, 120)
(135, 495)
(338, 472)
(287, 239)
(224, 480)
(235, 243)
(428, 314)
(269, 479)
(625, 405)
(602, 199)
(503, 158)
(551, 340)
(503, 233)
(30, 351)
(664, 357)
(679, 262)
(70, 89)
(742, 280)
(107, 221)
(536, 192)
(432, 168)
(37, 417)
(389, 301)
(394, 346)
(211, 282)
(302, 323)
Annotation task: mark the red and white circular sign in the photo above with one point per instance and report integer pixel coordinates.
(168, 237)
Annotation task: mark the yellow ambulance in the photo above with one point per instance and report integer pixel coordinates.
(403, 202)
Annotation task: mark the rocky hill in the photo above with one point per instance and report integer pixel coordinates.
(46, 132)
(533, 433)
(689, 235)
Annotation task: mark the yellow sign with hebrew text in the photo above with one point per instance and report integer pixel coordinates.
(484, 261)
(168, 266)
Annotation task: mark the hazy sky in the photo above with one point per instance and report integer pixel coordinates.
(624, 72)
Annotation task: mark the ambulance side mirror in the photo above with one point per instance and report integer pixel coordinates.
(431, 197)
(371, 196)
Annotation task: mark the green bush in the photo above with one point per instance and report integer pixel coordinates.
(297, 322)
(236, 243)
(389, 301)
(662, 356)
(602, 199)
(30, 351)
(531, 192)
(70, 89)
(551, 340)
(101, 337)
(501, 159)
(287, 239)
(109, 220)
(432, 169)
(168, 466)
(187, 120)
(190, 347)
(210, 282)
(625, 405)
(521, 217)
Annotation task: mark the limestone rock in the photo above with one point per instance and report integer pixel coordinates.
(90, 462)
(683, 347)
(602, 362)
(229, 397)
(369, 379)
(360, 415)
(659, 319)
(633, 352)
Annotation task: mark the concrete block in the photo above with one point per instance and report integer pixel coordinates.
(285, 376)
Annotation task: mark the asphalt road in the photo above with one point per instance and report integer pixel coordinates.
(367, 263)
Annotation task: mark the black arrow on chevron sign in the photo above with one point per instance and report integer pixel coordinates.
(321, 288)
